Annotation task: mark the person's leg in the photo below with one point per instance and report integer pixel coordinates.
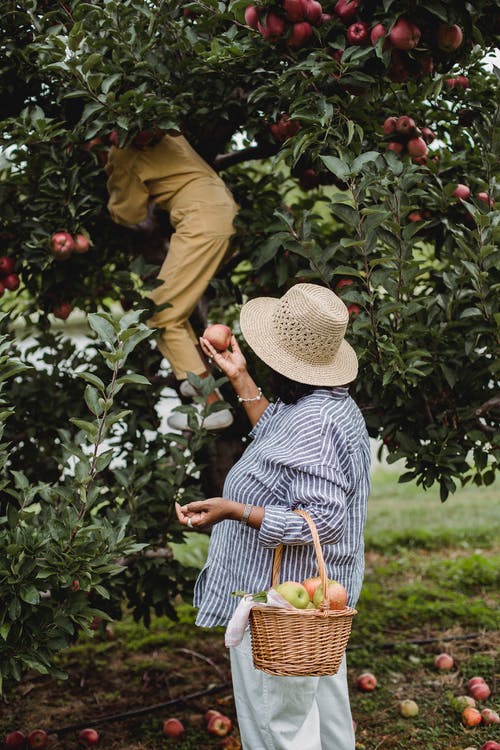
(274, 713)
(332, 697)
(197, 247)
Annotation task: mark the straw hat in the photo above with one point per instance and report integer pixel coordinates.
(301, 335)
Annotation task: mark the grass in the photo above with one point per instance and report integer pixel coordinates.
(431, 585)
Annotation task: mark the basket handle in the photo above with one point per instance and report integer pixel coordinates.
(278, 553)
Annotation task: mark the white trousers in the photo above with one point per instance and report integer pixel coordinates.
(290, 713)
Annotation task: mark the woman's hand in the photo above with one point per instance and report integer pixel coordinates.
(201, 514)
(231, 362)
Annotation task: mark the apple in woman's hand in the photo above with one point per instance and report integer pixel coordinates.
(219, 335)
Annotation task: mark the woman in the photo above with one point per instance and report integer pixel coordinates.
(310, 450)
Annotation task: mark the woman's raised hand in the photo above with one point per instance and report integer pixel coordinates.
(231, 361)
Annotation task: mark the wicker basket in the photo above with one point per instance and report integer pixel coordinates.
(299, 642)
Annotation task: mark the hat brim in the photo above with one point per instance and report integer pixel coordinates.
(256, 322)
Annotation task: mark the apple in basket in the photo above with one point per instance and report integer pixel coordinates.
(295, 593)
(335, 593)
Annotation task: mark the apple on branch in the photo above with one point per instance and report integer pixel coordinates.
(404, 34)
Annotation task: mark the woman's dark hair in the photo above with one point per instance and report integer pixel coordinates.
(288, 391)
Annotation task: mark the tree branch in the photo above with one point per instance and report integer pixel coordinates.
(223, 161)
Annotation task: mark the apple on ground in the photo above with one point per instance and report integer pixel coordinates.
(366, 682)
(219, 725)
(491, 745)
(444, 661)
(490, 716)
(37, 739)
(230, 743)
(173, 728)
(408, 708)
(15, 740)
(471, 717)
(336, 594)
(462, 701)
(480, 691)
(404, 34)
(211, 713)
(7, 265)
(473, 681)
(294, 593)
(88, 737)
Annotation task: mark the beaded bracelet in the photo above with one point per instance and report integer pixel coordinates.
(254, 398)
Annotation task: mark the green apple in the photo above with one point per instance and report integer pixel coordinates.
(295, 593)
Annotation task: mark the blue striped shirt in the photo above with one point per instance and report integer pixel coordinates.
(313, 455)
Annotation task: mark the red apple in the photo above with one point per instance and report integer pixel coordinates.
(474, 681)
(325, 17)
(342, 283)
(462, 81)
(471, 717)
(485, 198)
(273, 26)
(15, 740)
(463, 701)
(82, 243)
(219, 725)
(377, 31)
(113, 138)
(480, 691)
(408, 708)
(311, 584)
(211, 713)
(358, 34)
(490, 716)
(7, 265)
(346, 9)
(230, 743)
(444, 661)
(389, 125)
(313, 11)
(404, 34)
(449, 38)
(2, 289)
(88, 737)
(353, 310)
(428, 135)
(309, 179)
(251, 16)
(491, 745)
(417, 147)
(405, 125)
(366, 682)
(284, 128)
(336, 594)
(301, 32)
(62, 245)
(415, 216)
(395, 146)
(37, 739)
(295, 10)
(219, 335)
(173, 728)
(11, 282)
(462, 192)
(147, 137)
(62, 311)
(75, 586)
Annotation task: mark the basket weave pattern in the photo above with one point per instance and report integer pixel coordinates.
(299, 642)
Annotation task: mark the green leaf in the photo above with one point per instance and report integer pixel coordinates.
(89, 427)
(336, 166)
(104, 329)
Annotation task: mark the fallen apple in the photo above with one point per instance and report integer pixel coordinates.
(37, 739)
(491, 745)
(480, 691)
(366, 682)
(444, 661)
(15, 740)
(219, 725)
(173, 728)
(211, 713)
(294, 592)
(408, 708)
(490, 716)
(219, 335)
(462, 701)
(88, 737)
(474, 681)
(471, 717)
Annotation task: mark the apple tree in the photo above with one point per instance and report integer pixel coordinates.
(359, 139)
